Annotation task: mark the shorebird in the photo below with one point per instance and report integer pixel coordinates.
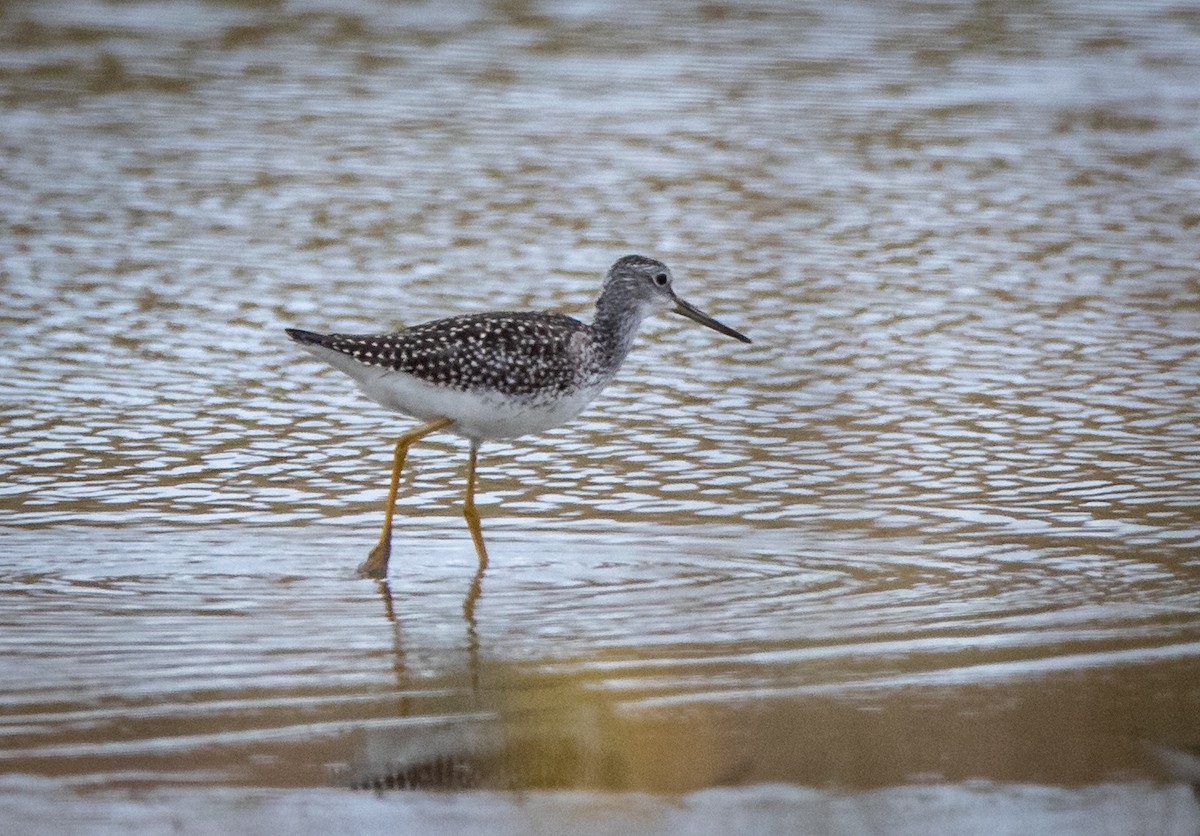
(499, 374)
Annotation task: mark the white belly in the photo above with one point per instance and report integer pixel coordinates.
(477, 415)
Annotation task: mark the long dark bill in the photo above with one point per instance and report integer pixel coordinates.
(697, 315)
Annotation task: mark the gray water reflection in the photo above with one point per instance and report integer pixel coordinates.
(961, 454)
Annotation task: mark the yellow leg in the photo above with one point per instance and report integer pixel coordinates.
(376, 563)
(470, 512)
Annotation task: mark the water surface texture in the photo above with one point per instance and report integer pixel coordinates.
(923, 558)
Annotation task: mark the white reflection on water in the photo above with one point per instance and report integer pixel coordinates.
(974, 807)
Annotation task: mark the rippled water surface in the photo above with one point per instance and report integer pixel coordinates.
(925, 557)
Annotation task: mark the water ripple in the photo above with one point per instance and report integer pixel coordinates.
(954, 476)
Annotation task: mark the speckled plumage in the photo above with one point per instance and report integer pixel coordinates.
(516, 354)
(504, 373)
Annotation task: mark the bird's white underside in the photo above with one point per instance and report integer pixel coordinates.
(478, 415)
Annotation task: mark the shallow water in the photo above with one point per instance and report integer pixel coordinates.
(931, 543)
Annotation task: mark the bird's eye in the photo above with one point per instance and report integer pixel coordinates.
(660, 279)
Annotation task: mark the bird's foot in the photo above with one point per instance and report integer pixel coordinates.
(376, 564)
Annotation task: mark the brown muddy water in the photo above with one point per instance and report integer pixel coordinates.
(924, 558)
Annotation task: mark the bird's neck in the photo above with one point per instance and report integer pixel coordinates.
(614, 329)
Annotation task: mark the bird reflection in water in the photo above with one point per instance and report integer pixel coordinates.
(474, 591)
(520, 732)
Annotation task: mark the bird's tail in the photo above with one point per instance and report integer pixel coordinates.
(306, 337)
